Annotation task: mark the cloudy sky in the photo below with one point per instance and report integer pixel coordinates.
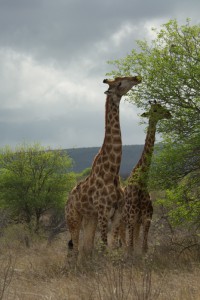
(53, 59)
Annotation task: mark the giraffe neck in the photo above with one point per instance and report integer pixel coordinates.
(140, 172)
(109, 157)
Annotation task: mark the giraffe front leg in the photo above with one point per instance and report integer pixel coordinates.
(122, 234)
(89, 229)
(103, 227)
(115, 237)
(119, 235)
(117, 230)
(130, 238)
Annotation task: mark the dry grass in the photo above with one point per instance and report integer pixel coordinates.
(40, 272)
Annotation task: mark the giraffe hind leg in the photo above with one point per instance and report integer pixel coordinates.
(146, 227)
(74, 225)
(136, 233)
(147, 214)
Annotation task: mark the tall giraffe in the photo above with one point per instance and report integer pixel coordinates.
(94, 199)
(138, 209)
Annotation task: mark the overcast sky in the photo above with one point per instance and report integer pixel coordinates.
(53, 59)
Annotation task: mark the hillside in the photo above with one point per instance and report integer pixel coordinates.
(83, 158)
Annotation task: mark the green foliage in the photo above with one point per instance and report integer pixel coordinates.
(170, 70)
(173, 161)
(83, 174)
(183, 202)
(34, 179)
(176, 168)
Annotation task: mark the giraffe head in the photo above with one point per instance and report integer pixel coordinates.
(157, 112)
(119, 86)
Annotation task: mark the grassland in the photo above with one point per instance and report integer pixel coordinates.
(30, 269)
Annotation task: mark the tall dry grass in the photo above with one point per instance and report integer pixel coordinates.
(170, 270)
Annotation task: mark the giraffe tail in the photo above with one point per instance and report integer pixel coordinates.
(137, 232)
(70, 245)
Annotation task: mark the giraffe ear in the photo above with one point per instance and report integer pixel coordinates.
(155, 101)
(107, 92)
(150, 102)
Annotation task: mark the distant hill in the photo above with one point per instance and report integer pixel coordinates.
(83, 158)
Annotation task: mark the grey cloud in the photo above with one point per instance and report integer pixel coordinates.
(72, 39)
(77, 128)
(61, 30)
(58, 134)
(54, 132)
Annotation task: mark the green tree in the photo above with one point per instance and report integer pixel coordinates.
(182, 202)
(174, 161)
(33, 180)
(83, 174)
(170, 69)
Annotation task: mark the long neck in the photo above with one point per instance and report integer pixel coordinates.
(112, 136)
(141, 170)
(109, 156)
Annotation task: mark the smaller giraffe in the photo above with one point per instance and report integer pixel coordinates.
(94, 199)
(138, 209)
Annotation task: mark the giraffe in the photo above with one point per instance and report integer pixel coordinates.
(138, 209)
(94, 199)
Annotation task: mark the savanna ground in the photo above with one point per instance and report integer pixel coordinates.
(30, 269)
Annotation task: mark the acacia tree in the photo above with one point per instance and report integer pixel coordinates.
(33, 180)
(170, 70)
(176, 169)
